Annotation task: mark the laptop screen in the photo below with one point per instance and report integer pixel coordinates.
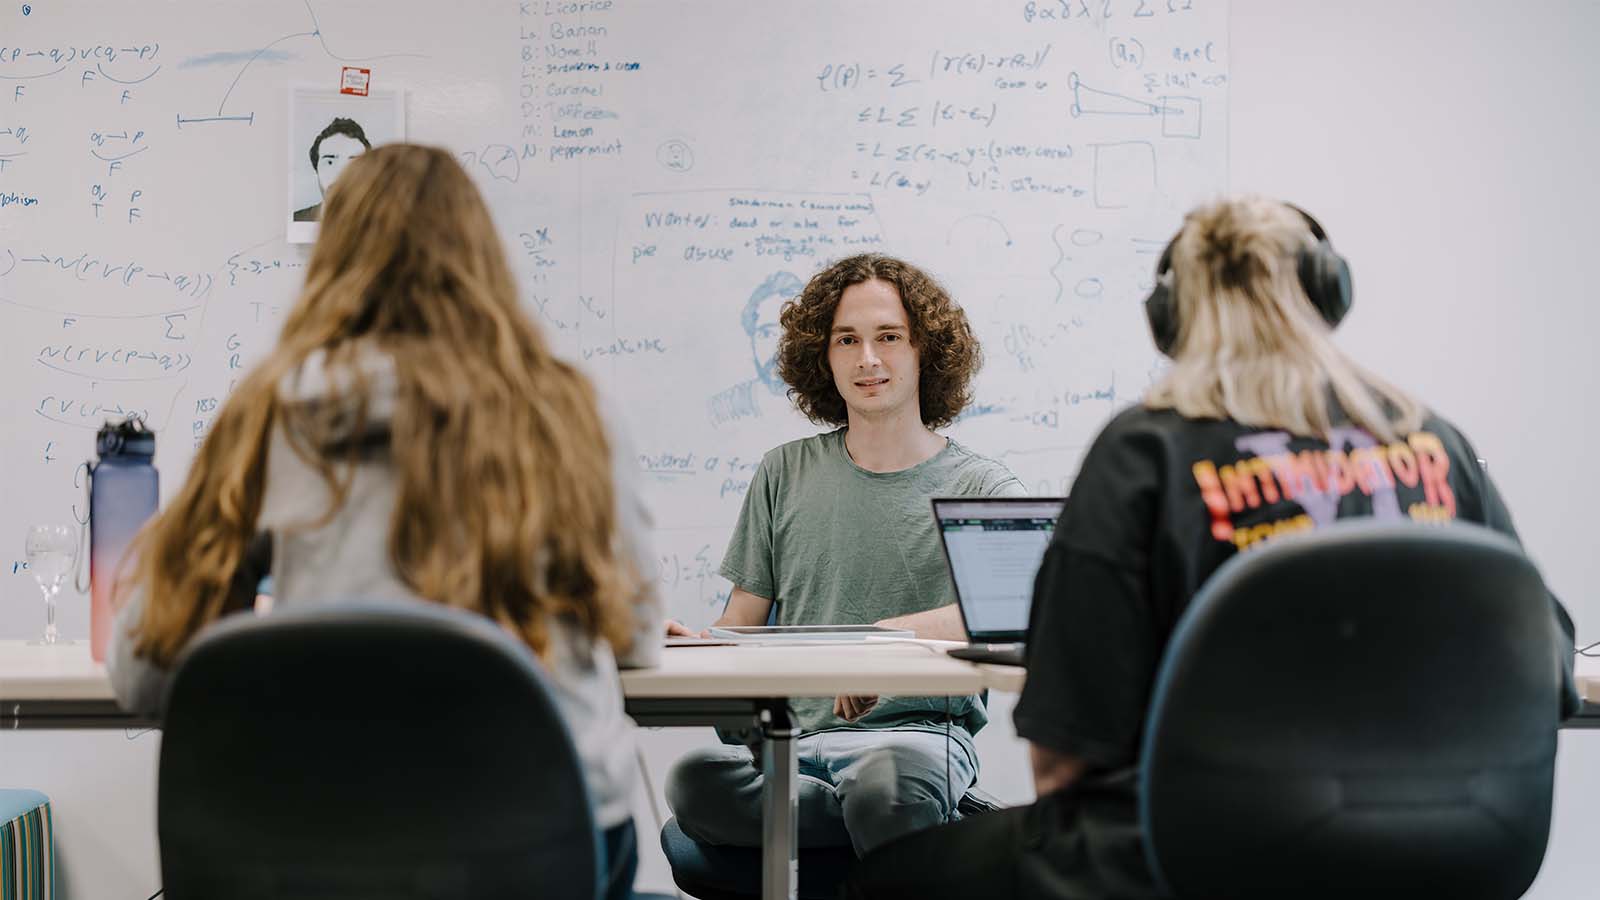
(993, 546)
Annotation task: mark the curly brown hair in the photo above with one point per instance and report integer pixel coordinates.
(949, 353)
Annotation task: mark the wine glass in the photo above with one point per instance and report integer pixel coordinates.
(51, 551)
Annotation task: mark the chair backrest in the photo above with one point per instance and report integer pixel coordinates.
(372, 749)
(1365, 711)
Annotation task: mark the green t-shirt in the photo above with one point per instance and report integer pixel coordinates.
(834, 544)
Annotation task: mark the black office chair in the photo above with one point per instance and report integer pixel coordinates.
(1367, 711)
(395, 750)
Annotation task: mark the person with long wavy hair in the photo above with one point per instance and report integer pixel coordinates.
(836, 530)
(1261, 428)
(411, 434)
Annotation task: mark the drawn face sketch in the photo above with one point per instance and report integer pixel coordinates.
(333, 155)
(760, 320)
(675, 155)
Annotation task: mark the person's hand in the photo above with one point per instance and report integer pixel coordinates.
(678, 629)
(853, 708)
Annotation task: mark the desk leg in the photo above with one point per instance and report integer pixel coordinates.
(780, 804)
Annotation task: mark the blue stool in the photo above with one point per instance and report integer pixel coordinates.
(27, 851)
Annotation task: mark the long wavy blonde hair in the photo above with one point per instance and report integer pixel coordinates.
(504, 497)
(1250, 346)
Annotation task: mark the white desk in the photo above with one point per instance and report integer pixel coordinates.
(817, 669)
(60, 687)
(39, 685)
(56, 672)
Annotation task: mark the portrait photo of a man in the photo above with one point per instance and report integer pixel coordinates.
(342, 141)
(327, 131)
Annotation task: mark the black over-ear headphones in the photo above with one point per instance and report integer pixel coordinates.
(1324, 274)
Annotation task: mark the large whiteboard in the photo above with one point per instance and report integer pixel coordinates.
(662, 174)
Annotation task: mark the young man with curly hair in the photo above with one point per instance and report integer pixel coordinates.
(836, 529)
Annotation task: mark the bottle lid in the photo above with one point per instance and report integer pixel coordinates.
(127, 437)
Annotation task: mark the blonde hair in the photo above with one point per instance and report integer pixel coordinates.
(1250, 346)
(504, 498)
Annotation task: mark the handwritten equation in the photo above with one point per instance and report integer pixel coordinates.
(854, 75)
(86, 267)
(109, 362)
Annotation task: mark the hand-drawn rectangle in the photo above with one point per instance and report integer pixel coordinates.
(1180, 117)
(1124, 174)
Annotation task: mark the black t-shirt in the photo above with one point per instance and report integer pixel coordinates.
(1160, 502)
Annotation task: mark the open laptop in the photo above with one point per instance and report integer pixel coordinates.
(993, 546)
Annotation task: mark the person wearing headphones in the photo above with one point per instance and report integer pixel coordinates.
(1262, 427)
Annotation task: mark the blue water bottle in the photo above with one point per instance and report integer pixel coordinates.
(123, 489)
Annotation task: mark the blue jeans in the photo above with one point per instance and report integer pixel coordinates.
(857, 788)
(619, 860)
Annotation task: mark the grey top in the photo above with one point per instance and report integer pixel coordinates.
(347, 558)
(831, 543)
